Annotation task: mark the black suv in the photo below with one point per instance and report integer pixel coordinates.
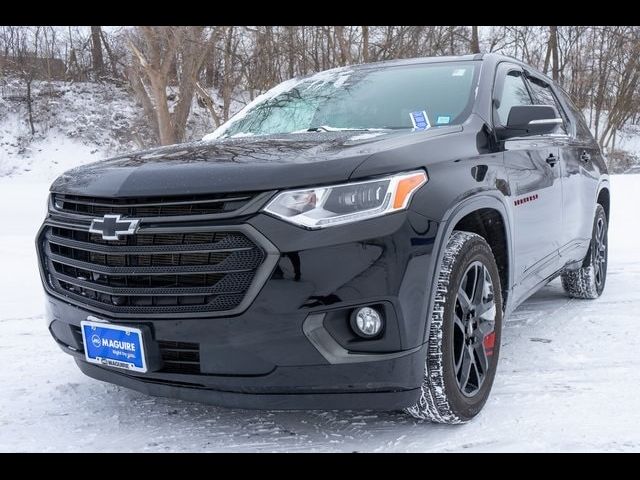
(353, 239)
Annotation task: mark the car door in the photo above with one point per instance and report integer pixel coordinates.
(532, 166)
(574, 160)
(583, 165)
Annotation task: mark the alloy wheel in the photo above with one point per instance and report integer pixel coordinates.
(600, 252)
(474, 328)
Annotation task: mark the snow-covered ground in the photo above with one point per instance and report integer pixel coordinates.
(569, 376)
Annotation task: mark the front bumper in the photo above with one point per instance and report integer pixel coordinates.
(292, 348)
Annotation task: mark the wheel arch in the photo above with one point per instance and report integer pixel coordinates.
(487, 205)
(604, 199)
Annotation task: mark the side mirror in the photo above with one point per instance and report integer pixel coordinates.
(525, 120)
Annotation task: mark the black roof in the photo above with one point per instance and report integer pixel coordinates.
(493, 58)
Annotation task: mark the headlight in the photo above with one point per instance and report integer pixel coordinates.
(339, 204)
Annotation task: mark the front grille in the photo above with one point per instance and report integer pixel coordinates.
(146, 207)
(180, 357)
(151, 273)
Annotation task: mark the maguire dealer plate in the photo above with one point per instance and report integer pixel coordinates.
(113, 345)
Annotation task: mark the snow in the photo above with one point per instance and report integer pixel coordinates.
(366, 136)
(568, 377)
(70, 121)
(629, 139)
(48, 156)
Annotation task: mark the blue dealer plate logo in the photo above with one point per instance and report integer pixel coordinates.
(113, 345)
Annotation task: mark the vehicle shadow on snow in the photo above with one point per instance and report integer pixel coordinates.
(218, 428)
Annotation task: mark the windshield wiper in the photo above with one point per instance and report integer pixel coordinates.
(327, 128)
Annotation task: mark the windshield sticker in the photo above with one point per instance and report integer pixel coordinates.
(443, 119)
(459, 72)
(420, 120)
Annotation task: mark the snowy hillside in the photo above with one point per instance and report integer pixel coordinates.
(75, 123)
(71, 122)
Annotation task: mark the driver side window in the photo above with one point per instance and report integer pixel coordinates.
(545, 96)
(514, 92)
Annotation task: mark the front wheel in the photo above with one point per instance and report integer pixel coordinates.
(589, 280)
(464, 335)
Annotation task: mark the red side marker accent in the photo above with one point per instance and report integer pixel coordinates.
(530, 198)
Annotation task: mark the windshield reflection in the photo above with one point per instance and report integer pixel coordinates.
(360, 98)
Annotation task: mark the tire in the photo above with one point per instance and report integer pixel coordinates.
(589, 280)
(445, 397)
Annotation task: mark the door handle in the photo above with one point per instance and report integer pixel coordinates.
(585, 156)
(552, 159)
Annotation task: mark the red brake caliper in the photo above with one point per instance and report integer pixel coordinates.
(488, 343)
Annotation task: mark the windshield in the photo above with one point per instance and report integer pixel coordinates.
(361, 99)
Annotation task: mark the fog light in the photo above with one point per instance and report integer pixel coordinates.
(367, 322)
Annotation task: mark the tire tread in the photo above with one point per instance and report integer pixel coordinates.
(433, 404)
(581, 283)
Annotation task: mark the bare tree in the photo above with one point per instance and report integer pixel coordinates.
(25, 55)
(553, 46)
(158, 52)
(96, 51)
(365, 43)
(475, 42)
(224, 67)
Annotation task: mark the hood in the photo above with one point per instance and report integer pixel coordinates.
(236, 164)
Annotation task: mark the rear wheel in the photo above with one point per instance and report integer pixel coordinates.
(589, 280)
(464, 336)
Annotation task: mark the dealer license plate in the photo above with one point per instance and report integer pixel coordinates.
(113, 345)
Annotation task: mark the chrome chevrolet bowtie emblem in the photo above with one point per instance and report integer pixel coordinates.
(112, 227)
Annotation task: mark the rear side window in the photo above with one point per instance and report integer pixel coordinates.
(514, 92)
(582, 128)
(543, 95)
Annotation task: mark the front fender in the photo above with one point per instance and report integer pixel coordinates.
(488, 199)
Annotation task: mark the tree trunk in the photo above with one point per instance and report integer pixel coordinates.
(112, 59)
(72, 68)
(159, 92)
(613, 142)
(192, 58)
(29, 105)
(553, 45)
(451, 41)
(96, 51)
(143, 96)
(187, 88)
(365, 43)
(209, 72)
(208, 102)
(345, 51)
(547, 58)
(228, 73)
(475, 42)
(162, 54)
(304, 50)
(291, 51)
